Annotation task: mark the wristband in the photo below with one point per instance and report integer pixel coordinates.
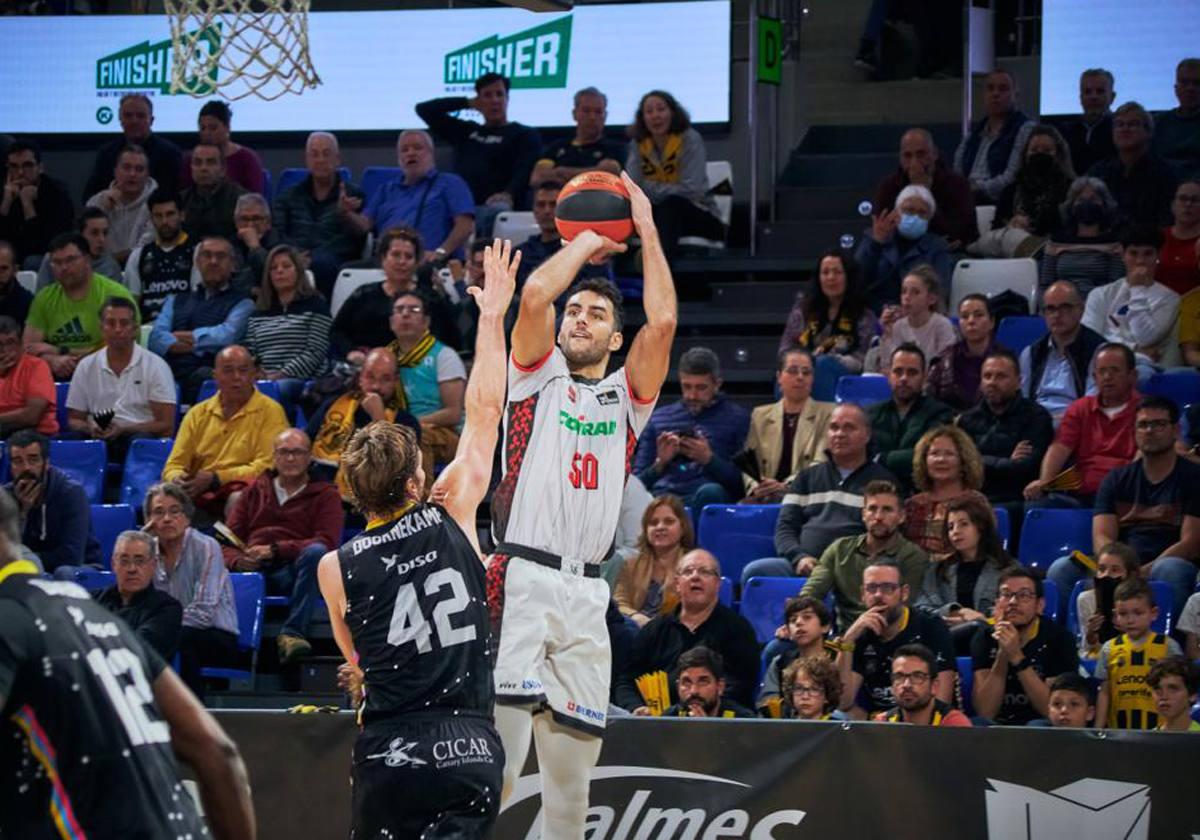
(1021, 666)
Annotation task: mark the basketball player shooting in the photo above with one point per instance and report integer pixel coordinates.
(407, 598)
(570, 432)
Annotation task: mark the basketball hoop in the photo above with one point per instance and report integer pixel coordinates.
(240, 48)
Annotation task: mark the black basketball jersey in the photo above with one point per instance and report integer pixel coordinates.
(83, 749)
(416, 605)
(163, 273)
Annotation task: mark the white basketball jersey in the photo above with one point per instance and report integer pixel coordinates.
(568, 447)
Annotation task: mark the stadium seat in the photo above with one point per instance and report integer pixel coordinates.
(1072, 623)
(1183, 386)
(718, 172)
(966, 683)
(375, 177)
(108, 521)
(1050, 594)
(28, 279)
(763, 600)
(984, 215)
(144, 334)
(143, 467)
(60, 405)
(85, 461)
(1164, 597)
(292, 176)
(1016, 332)
(348, 280)
(1050, 533)
(725, 594)
(248, 590)
(95, 580)
(991, 277)
(737, 534)
(862, 390)
(1003, 526)
(515, 225)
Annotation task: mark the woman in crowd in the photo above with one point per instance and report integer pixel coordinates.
(1179, 259)
(645, 586)
(242, 165)
(954, 376)
(1027, 210)
(192, 571)
(916, 319)
(668, 161)
(947, 468)
(832, 321)
(1115, 562)
(812, 689)
(961, 587)
(1086, 249)
(899, 240)
(288, 332)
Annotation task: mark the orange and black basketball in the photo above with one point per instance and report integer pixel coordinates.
(594, 201)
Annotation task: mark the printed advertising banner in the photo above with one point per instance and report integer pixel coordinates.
(66, 74)
(780, 780)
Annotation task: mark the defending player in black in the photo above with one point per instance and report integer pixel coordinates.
(408, 603)
(91, 722)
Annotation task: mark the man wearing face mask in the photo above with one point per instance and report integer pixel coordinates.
(898, 240)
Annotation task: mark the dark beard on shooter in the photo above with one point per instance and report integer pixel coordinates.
(576, 360)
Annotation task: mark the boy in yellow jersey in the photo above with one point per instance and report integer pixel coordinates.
(1125, 700)
(1175, 682)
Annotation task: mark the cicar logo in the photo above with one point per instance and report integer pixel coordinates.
(534, 58)
(645, 812)
(147, 65)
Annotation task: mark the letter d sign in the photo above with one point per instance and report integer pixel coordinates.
(770, 50)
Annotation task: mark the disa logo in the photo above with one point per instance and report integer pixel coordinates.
(147, 65)
(641, 817)
(535, 58)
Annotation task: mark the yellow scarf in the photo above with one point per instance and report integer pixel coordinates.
(336, 430)
(410, 359)
(662, 168)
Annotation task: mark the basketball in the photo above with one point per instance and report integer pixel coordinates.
(594, 201)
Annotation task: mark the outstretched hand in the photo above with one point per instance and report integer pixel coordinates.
(500, 264)
(639, 207)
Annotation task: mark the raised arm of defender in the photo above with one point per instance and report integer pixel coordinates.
(462, 485)
(649, 357)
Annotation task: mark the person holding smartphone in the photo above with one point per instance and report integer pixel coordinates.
(1115, 562)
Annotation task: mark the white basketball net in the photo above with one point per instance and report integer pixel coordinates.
(240, 47)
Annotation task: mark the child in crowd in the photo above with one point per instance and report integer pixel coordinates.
(1175, 682)
(917, 319)
(1072, 701)
(812, 688)
(1115, 563)
(807, 622)
(1125, 700)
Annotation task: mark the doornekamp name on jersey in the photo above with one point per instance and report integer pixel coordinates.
(405, 526)
(581, 426)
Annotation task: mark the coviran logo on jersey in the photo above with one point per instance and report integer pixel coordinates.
(581, 425)
(533, 58)
(147, 66)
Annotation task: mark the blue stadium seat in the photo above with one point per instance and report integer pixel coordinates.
(143, 467)
(1003, 525)
(966, 683)
(248, 591)
(1050, 593)
(267, 387)
(1016, 332)
(1073, 608)
(375, 177)
(1164, 598)
(763, 600)
(725, 594)
(737, 534)
(862, 390)
(60, 405)
(95, 580)
(1183, 386)
(1050, 533)
(292, 176)
(108, 521)
(85, 461)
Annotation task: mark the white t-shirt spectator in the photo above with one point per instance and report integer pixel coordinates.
(1140, 317)
(1189, 619)
(147, 379)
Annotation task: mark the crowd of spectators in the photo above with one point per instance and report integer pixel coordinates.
(886, 510)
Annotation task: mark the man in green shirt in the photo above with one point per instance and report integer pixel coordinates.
(842, 563)
(63, 324)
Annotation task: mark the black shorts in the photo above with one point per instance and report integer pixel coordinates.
(433, 777)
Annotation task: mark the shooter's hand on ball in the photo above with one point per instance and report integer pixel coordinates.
(600, 247)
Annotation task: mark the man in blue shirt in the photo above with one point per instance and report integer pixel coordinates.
(438, 204)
